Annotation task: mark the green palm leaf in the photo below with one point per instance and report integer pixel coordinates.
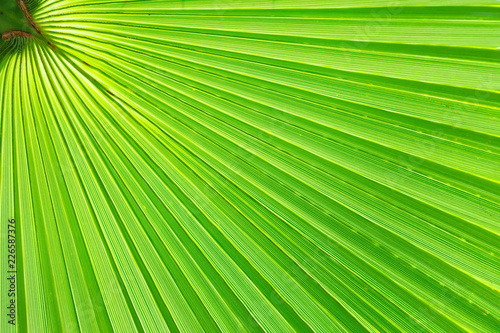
(278, 166)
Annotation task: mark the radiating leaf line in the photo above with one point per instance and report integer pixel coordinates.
(271, 166)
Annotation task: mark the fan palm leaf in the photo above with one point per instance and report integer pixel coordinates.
(278, 166)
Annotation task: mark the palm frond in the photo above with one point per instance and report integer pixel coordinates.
(278, 166)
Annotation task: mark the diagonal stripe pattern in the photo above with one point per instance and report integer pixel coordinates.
(277, 166)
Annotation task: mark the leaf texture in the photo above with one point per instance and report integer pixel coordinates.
(277, 166)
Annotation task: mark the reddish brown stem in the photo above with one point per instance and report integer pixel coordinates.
(8, 35)
(24, 9)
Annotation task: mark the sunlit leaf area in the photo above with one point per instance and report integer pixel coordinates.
(249, 166)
